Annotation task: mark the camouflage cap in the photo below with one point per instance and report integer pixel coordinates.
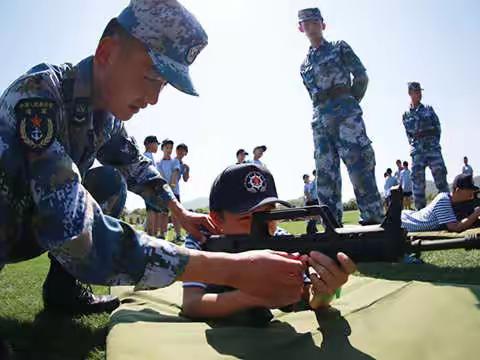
(172, 35)
(414, 86)
(309, 14)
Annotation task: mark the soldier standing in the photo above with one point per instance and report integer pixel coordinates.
(338, 127)
(423, 132)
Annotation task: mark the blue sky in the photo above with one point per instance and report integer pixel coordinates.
(248, 76)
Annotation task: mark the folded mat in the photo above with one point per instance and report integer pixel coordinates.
(376, 319)
(443, 234)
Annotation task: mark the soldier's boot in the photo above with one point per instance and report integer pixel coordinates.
(63, 293)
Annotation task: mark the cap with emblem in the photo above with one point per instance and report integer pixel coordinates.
(172, 35)
(309, 14)
(414, 86)
(243, 188)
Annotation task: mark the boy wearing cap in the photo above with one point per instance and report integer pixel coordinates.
(241, 155)
(180, 171)
(237, 193)
(257, 154)
(338, 128)
(423, 132)
(439, 214)
(166, 167)
(153, 215)
(56, 120)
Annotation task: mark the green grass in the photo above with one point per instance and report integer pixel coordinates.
(36, 334)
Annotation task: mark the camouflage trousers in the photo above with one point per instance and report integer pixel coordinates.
(434, 160)
(344, 136)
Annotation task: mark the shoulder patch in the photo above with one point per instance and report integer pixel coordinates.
(36, 122)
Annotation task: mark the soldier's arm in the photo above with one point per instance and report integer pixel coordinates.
(436, 124)
(409, 135)
(356, 68)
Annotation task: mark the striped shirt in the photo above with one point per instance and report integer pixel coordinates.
(433, 217)
(191, 243)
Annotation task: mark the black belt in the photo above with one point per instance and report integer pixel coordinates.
(330, 94)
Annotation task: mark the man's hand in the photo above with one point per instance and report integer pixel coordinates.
(192, 222)
(327, 276)
(274, 277)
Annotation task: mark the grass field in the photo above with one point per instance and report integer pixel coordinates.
(35, 334)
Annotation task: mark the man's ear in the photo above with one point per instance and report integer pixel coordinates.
(300, 27)
(323, 26)
(105, 50)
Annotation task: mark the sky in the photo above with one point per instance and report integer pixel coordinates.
(248, 77)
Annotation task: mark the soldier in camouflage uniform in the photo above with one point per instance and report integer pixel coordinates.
(338, 127)
(423, 131)
(55, 120)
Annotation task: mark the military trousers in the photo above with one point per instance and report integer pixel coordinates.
(434, 160)
(341, 135)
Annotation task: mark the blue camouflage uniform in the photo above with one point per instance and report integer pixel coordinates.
(423, 131)
(50, 135)
(338, 127)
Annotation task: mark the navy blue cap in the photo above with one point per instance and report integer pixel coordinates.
(151, 139)
(414, 86)
(309, 14)
(263, 147)
(243, 188)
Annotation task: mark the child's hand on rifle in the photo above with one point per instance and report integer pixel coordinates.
(327, 276)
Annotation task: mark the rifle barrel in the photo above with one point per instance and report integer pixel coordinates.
(467, 243)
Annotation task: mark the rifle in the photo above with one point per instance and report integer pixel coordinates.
(386, 242)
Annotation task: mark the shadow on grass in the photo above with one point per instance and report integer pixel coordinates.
(52, 336)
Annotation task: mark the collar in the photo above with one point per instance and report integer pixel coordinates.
(82, 90)
(323, 45)
(420, 105)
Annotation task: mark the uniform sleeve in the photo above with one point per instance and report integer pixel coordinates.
(436, 125)
(66, 220)
(94, 247)
(408, 132)
(141, 175)
(356, 68)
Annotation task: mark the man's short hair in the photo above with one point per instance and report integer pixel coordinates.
(398, 161)
(405, 163)
(389, 171)
(314, 172)
(305, 176)
(114, 28)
